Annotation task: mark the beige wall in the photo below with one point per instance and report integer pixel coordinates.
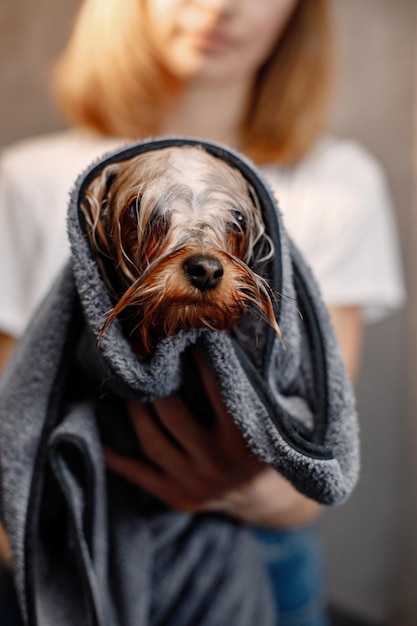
(31, 34)
(371, 541)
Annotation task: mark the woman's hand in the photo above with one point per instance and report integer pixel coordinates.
(195, 468)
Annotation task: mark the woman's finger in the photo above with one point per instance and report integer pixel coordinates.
(226, 430)
(152, 480)
(159, 446)
(192, 436)
(190, 460)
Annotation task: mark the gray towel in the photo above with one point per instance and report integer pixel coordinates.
(91, 549)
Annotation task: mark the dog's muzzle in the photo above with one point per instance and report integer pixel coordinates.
(204, 271)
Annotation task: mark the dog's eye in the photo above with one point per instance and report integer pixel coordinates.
(239, 223)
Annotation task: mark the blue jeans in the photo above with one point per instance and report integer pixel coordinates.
(294, 562)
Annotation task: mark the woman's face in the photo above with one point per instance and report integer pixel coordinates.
(217, 39)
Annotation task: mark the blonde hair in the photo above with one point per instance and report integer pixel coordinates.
(111, 79)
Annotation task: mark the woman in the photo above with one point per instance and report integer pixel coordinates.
(255, 76)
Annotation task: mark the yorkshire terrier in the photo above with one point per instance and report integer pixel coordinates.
(176, 233)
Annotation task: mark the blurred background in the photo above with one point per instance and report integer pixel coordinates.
(371, 541)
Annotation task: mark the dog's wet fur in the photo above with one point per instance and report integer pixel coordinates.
(180, 230)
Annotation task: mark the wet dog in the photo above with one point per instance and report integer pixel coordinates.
(176, 233)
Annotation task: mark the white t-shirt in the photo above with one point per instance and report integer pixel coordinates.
(335, 205)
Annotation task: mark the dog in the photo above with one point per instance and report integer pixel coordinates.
(175, 233)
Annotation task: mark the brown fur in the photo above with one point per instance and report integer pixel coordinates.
(164, 216)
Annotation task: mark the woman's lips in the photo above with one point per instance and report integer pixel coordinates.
(214, 42)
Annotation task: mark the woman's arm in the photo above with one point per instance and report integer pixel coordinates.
(216, 471)
(197, 469)
(348, 324)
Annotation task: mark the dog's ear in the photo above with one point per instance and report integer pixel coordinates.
(252, 196)
(110, 174)
(260, 246)
(95, 206)
(101, 186)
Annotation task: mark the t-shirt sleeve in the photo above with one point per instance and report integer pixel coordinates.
(33, 240)
(18, 245)
(36, 178)
(356, 255)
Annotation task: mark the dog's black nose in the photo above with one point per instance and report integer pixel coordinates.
(204, 271)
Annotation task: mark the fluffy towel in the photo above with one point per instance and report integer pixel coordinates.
(91, 549)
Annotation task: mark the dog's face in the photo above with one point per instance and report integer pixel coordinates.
(181, 229)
